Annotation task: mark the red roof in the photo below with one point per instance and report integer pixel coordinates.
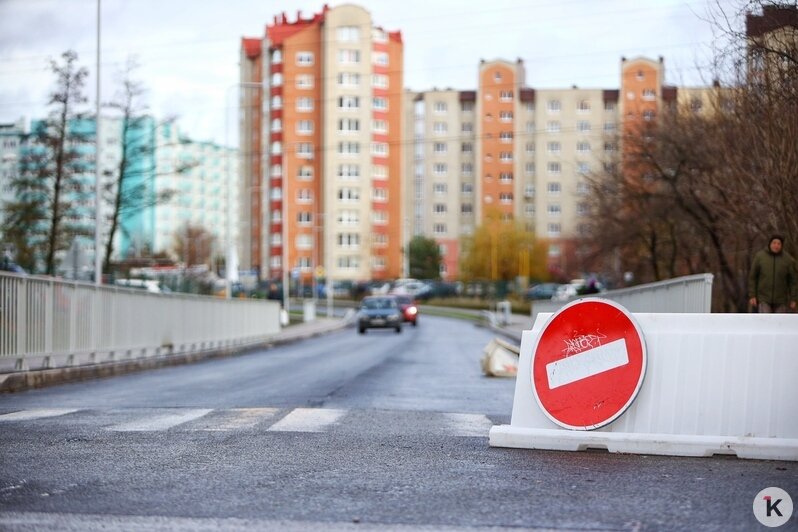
(251, 47)
(281, 29)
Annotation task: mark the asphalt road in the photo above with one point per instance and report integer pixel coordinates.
(341, 432)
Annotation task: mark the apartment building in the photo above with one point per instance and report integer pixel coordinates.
(321, 164)
(199, 176)
(506, 150)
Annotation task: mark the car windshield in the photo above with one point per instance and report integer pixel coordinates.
(403, 300)
(379, 303)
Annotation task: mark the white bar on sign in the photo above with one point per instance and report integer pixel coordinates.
(587, 363)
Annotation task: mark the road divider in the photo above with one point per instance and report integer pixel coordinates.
(697, 385)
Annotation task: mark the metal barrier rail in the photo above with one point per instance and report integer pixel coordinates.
(46, 323)
(692, 293)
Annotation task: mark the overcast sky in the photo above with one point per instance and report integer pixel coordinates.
(189, 49)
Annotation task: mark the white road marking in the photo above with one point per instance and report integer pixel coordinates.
(36, 413)
(587, 363)
(468, 424)
(239, 418)
(163, 422)
(308, 420)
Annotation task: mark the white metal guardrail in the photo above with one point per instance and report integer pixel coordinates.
(48, 323)
(691, 294)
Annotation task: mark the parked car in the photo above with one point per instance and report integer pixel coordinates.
(379, 312)
(408, 308)
(565, 292)
(542, 291)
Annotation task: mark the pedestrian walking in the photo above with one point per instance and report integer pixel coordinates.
(773, 279)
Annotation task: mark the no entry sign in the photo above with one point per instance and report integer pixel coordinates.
(588, 364)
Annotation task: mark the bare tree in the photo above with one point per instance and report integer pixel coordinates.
(45, 218)
(130, 190)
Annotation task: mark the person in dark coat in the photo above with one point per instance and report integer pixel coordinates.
(773, 279)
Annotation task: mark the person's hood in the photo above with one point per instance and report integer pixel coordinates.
(778, 237)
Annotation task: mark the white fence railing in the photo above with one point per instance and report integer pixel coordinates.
(692, 293)
(46, 323)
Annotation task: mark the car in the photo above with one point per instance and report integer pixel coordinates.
(379, 312)
(408, 308)
(565, 292)
(542, 291)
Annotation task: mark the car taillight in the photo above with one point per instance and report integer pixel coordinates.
(412, 311)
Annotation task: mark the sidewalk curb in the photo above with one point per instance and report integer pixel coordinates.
(40, 378)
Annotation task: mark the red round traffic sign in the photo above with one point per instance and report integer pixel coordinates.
(588, 364)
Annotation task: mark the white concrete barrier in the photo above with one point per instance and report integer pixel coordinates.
(714, 384)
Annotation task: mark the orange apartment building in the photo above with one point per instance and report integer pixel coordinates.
(321, 148)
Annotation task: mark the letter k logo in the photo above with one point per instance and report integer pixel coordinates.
(772, 506)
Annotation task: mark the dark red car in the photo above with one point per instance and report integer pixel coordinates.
(409, 308)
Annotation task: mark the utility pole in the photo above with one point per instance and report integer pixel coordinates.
(98, 268)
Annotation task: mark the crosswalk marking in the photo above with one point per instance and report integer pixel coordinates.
(163, 422)
(36, 413)
(238, 419)
(308, 420)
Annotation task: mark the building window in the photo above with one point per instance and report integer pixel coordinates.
(380, 240)
(348, 240)
(348, 171)
(467, 107)
(277, 170)
(304, 127)
(439, 208)
(505, 136)
(439, 147)
(348, 194)
(348, 148)
(583, 106)
(304, 150)
(348, 102)
(554, 106)
(348, 263)
(583, 126)
(305, 173)
(649, 95)
(276, 193)
(467, 169)
(467, 147)
(554, 209)
(277, 56)
(379, 149)
(380, 58)
(380, 103)
(379, 126)
(380, 194)
(554, 168)
(439, 188)
(304, 241)
(497, 76)
(380, 217)
(379, 81)
(467, 127)
(610, 147)
(277, 79)
(506, 116)
(440, 128)
(277, 125)
(348, 56)
(553, 126)
(467, 189)
(304, 218)
(277, 102)
(581, 209)
(379, 171)
(554, 147)
(609, 127)
(348, 218)
(439, 229)
(348, 125)
(304, 104)
(648, 115)
(529, 190)
(609, 106)
(553, 230)
(505, 96)
(439, 169)
(304, 58)
(466, 208)
(582, 168)
(348, 33)
(529, 169)
(554, 188)
(582, 188)
(277, 148)
(304, 81)
(583, 147)
(529, 210)
(505, 197)
(506, 157)
(348, 79)
(440, 107)
(505, 177)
